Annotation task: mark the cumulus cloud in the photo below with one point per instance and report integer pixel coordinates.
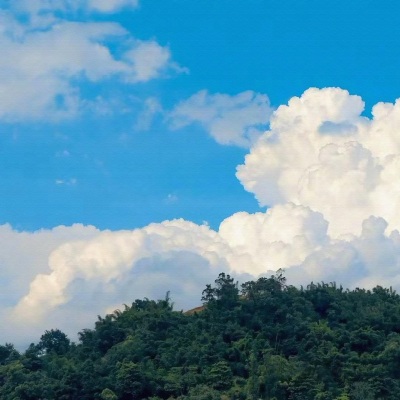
(231, 120)
(45, 61)
(371, 259)
(282, 236)
(109, 256)
(346, 172)
(330, 178)
(24, 255)
(80, 271)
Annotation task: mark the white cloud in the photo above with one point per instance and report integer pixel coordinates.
(371, 259)
(81, 271)
(45, 62)
(110, 256)
(148, 59)
(67, 182)
(40, 8)
(110, 6)
(347, 174)
(171, 198)
(233, 120)
(285, 235)
(24, 255)
(151, 107)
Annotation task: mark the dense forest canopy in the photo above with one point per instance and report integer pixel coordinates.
(263, 340)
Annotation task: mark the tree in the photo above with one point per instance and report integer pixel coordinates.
(54, 341)
(225, 294)
(362, 391)
(263, 288)
(220, 375)
(108, 394)
(130, 381)
(8, 353)
(202, 392)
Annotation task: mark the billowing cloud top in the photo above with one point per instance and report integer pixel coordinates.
(329, 176)
(322, 153)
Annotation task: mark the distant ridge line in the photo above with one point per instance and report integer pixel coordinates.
(194, 310)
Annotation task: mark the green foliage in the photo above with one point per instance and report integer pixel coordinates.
(224, 295)
(220, 375)
(54, 341)
(266, 341)
(108, 394)
(8, 354)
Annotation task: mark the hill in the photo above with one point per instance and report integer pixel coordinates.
(264, 340)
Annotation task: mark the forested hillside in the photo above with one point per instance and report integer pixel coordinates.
(262, 340)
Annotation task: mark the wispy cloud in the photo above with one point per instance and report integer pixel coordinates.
(46, 60)
(44, 9)
(67, 182)
(171, 198)
(151, 107)
(111, 6)
(231, 120)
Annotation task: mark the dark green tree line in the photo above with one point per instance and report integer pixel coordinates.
(263, 339)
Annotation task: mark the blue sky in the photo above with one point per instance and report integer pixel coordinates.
(113, 169)
(147, 145)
